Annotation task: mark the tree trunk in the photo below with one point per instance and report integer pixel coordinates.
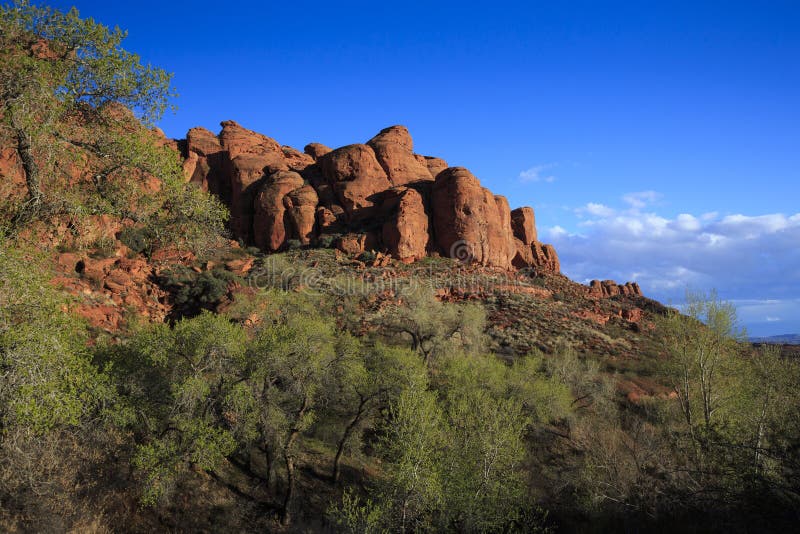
(345, 436)
(288, 457)
(268, 456)
(29, 166)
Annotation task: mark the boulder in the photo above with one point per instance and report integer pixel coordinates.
(330, 220)
(545, 257)
(356, 178)
(316, 150)
(405, 234)
(202, 142)
(296, 161)
(466, 221)
(354, 244)
(434, 165)
(301, 207)
(237, 141)
(523, 222)
(394, 150)
(246, 172)
(269, 226)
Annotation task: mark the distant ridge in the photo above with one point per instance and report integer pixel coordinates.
(785, 339)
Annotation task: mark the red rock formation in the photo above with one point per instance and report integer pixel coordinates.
(356, 177)
(405, 234)
(203, 164)
(296, 160)
(505, 224)
(394, 150)
(354, 244)
(351, 184)
(609, 288)
(466, 220)
(523, 223)
(434, 165)
(269, 226)
(316, 150)
(301, 207)
(545, 257)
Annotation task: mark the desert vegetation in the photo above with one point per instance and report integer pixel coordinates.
(310, 390)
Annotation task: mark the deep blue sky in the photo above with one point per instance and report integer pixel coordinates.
(696, 103)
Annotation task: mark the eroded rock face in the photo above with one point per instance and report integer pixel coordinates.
(505, 224)
(466, 220)
(296, 160)
(545, 257)
(523, 224)
(301, 207)
(356, 178)
(316, 150)
(203, 162)
(276, 193)
(269, 224)
(394, 150)
(609, 288)
(434, 165)
(405, 234)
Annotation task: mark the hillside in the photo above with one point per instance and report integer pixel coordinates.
(225, 334)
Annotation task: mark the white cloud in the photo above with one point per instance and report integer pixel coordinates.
(754, 259)
(595, 209)
(538, 174)
(641, 199)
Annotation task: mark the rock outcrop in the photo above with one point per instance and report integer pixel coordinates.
(406, 233)
(466, 220)
(356, 178)
(269, 221)
(378, 196)
(523, 223)
(394, 150)
(609, 288)
(301, 208)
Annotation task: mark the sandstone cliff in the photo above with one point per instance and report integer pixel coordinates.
(379, 195)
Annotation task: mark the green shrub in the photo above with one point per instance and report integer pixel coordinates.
(136, 239)
(193, 292)
(293, 244)
(327, 240)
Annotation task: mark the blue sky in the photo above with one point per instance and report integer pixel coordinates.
(656, 142)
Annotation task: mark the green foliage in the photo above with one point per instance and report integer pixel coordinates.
(484, 486)
(356, 516)
(52, 399)
(177, 378)
(73, 100)
(194, 292)
(412, 490)
(435, 327)
(136, 239)
(328, 240)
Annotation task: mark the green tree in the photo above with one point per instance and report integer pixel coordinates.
(287, 365)
(366, 378)
(701, 363)
(434, 327)
(178, 381)
(54, 403)
(483, 482)
(412, 447)
(72, 101)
